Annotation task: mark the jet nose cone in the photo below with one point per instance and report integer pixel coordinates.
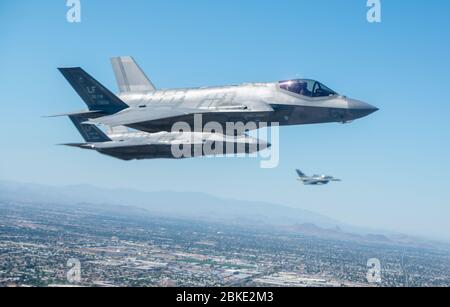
(359, 105)
(358, 109)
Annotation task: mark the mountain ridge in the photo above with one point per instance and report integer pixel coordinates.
(203, 207)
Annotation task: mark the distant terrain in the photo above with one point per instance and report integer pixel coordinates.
(112, 245)
(204, 207)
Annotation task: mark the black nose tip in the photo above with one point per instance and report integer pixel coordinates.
(360, 109)
(372, 110)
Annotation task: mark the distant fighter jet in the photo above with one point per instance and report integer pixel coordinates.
(316, 179)
(141, 106)
(125, 145)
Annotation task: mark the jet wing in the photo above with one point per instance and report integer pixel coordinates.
(157, 113)
(161, 141)
(133, 116)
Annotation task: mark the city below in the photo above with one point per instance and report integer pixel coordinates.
(42, 244)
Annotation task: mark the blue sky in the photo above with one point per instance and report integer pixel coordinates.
(395, 163)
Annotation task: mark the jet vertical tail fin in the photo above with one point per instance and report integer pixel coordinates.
(95, 95)
(90, 133)
(130, 77)
(300, 173)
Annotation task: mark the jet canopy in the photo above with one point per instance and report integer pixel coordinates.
(307, 87)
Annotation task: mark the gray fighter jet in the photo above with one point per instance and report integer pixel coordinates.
(141, 106)
(316, 179)
(120, 143)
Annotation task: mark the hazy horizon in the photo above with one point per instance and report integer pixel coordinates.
(320, 219)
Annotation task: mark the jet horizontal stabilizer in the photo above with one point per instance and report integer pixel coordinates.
(78, 145)
(82, 114)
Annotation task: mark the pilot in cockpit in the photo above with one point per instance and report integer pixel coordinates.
(303, 89)
(307, 88)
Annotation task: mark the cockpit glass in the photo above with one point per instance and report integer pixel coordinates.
(306, 87)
